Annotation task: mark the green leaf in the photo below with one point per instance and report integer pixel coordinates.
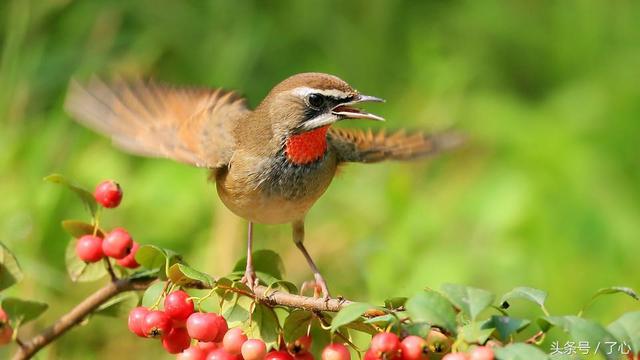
(471, 301)
(348, 314)
(118, 306)
(10, 271)
(361, 326)
(505, 326)
(475, 332)
(87, 198)
(534, 295)
(519, 351)
(78, 228)
(381, 320)
(580, 329)
(266, 261)
(432, 308)
(263, 325)
(296, 325)
(627, 330)
(153, 293)
(395, 303)
(22, 311)
(609, 291)
(151, 257)
(80, 271)
(184, 275)
(284, 285)
(236, 308)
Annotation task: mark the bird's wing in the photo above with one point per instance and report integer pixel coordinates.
(354, 145)
(145, 118)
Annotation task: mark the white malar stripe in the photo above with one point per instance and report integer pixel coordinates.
(303, 91)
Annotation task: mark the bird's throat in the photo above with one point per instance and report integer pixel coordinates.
(307, 147)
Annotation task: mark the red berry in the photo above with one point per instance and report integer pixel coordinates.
(176, 340)
(178, 305)
(456, 356)
(203, 326)
(192, 353)
(369, 355)
(300, 345)
(136, 319)
(233, 340)
(89, 248)
(221, 354)
(481, 353)
(305, 355)
(156, 324)
(117, 244)
(385, 345)
(129, 261)
(336, 352)
(414, 348)
(108, 194)
(6, 332)
(278, 355)
(254, 349)
(222, 326)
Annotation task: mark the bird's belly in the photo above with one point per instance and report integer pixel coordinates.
(283, 198)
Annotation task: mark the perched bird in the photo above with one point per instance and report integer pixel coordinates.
(271, 164)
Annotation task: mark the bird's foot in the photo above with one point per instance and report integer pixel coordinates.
(250, 279)
(323, 286)
(319, 287)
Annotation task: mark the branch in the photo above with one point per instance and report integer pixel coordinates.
(81, 311)
(78, 313)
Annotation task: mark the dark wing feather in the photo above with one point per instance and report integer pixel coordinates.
(354, 145)
(145, 118)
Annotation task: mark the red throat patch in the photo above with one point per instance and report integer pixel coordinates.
(307, 147)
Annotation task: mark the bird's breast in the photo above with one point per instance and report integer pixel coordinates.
(274, 190)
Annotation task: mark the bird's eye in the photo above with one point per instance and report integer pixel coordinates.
(315, 101)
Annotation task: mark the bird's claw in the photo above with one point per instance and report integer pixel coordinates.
(250, 279)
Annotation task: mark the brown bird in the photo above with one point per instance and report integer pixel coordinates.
(271, 164)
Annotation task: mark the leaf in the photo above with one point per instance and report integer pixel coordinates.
(348, 314)
(236, 309)
(475, 332)
(266, 261)
(432, 308)
(263, 325)
(505, 326)
(22, 311)
(153, 293)
(151, 257)
(395, 303)
(534, 295)
(78, 228)
(10, 271)
(184, 275)
(87, 198)
(118, 306)
(287, 286)
(609, 291)
(627, 330)
(580, 329)
(361, 326)
(519, 351)
(80, 271)
(472, 301)
(296, 325)
(381, 320)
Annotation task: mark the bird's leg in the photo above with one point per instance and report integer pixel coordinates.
(298, 238)
(250, 278)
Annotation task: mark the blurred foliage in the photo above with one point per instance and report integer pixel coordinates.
(547, 194)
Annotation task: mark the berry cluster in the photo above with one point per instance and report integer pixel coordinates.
(179, 324)
(388, 346)
(117, 244)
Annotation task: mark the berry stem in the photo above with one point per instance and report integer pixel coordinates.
(112, 274)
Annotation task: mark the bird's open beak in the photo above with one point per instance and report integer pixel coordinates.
(347, 111)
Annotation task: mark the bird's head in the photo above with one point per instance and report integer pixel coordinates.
(309, 101)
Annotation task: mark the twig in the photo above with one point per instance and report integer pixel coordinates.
(78, 313)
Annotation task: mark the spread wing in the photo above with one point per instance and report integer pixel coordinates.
(145, 118)
(354, 145)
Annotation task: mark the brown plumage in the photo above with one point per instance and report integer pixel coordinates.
(270, 164)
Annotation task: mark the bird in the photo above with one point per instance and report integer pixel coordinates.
(269, 164)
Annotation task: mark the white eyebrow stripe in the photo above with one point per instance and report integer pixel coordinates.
(303, 91)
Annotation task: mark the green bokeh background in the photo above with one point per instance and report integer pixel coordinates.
(546, 194)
